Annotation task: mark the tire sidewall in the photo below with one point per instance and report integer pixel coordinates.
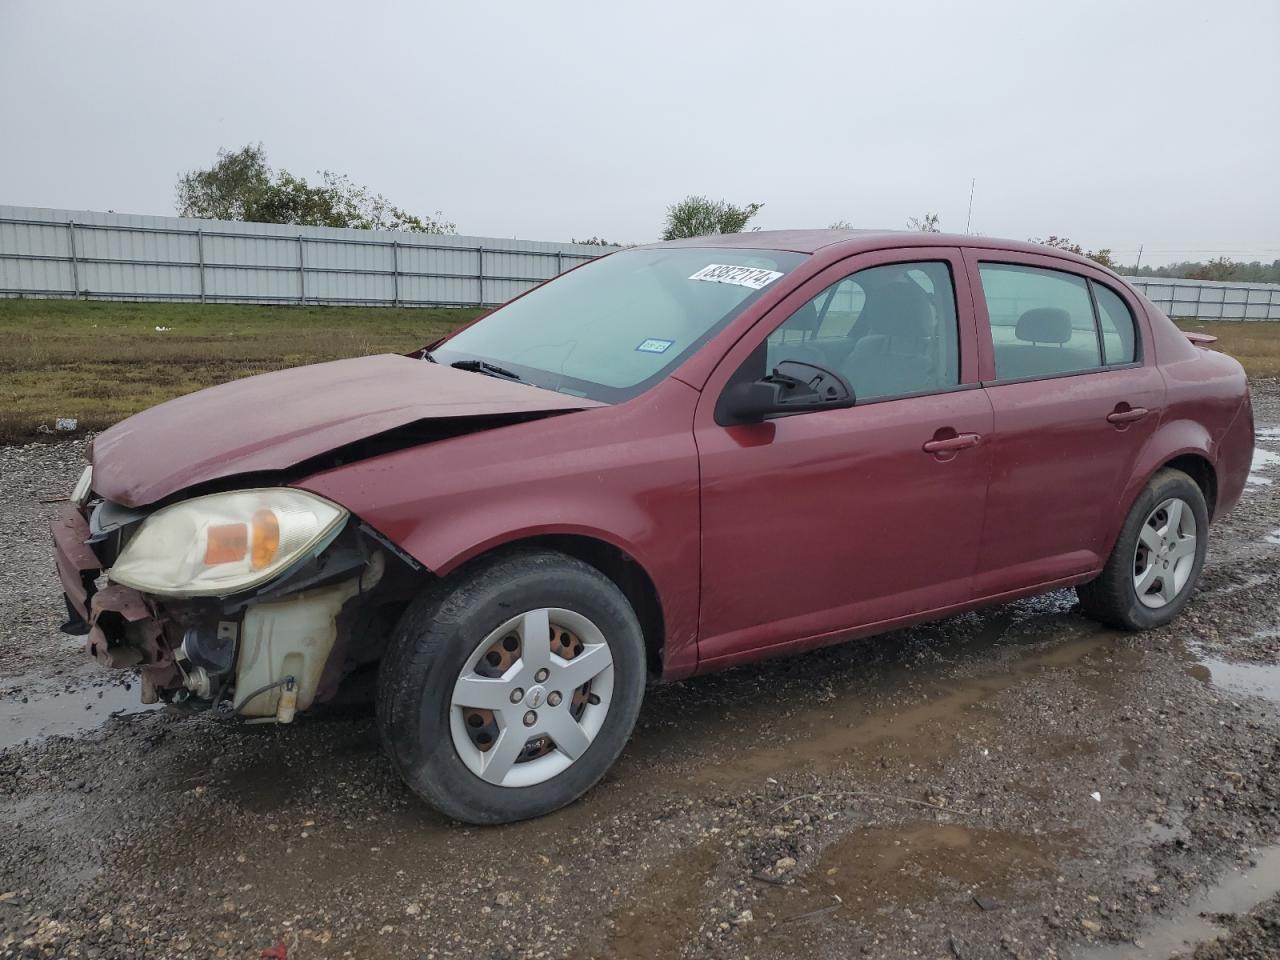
(439, 640)
(1163, 487)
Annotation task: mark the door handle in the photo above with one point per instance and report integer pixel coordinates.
(1128, 415)
(960, 441)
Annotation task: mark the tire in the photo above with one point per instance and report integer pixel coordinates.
(1116, 597)
(448, 753)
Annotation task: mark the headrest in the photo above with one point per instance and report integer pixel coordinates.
(806, 318)
(898, 309)
(1044, 325)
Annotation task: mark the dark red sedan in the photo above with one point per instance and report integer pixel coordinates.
(671, 460)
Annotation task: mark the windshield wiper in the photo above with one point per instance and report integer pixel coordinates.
(488, 369)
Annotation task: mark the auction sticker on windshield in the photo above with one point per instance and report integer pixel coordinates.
(757, 278)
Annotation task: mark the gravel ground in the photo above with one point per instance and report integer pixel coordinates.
(1016, 782)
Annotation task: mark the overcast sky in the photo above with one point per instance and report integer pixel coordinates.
(1114, 123)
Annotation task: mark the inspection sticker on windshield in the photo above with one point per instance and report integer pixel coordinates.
(654, 346)
(757, 278)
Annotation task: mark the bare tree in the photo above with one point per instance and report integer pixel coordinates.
(926, 224)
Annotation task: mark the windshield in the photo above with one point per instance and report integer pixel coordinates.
(614, 327)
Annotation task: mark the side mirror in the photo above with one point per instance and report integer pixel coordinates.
(793, 387)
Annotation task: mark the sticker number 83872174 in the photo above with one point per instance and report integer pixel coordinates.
(756, 278)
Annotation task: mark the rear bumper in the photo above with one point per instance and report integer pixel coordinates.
(78, 567)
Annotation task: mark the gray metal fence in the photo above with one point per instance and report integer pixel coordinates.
(112, 256)
(1210, 300)
(64, 253)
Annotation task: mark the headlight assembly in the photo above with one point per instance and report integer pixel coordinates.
(225, 542)
(80, 492)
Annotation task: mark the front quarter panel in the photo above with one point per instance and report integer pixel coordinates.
(626, 475)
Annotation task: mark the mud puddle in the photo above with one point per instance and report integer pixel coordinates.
(40, 713)
(1263, 461)
(894, 703)
(1238, 892)
(1249, 679)
(879, 877)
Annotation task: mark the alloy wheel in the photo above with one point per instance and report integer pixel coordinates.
(531, 697)
(1166, 553)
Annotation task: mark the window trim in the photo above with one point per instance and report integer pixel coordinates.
(975, 257)
(1138, 351)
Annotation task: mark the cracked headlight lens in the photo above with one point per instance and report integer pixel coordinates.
(225, 542)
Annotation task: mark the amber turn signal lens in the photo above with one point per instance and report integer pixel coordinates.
(226, 543)
(266, 539)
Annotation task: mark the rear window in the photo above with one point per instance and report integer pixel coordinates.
(1119, 340)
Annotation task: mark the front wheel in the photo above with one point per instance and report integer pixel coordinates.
(509, 690)
(1157, 559)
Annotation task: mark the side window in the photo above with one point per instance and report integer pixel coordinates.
(1119, 339)
(890, 330)
(1041, 321)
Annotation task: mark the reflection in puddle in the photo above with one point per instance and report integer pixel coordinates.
(1262, 460)
(1273, 537)
(1252, 679)
(1238, 892)
(48, 714)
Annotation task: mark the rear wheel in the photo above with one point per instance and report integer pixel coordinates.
(1157, 559)
(510, 689)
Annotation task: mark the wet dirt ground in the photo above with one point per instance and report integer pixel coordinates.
(1017, 782)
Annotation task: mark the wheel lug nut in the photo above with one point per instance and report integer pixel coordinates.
(517, 695)
(554, 698)
(542, 675)
(530, 718)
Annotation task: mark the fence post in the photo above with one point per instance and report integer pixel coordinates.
(559, 263)
(200, 255)
(395, 273)
(480, 276)
(75, 264)
(302, 274)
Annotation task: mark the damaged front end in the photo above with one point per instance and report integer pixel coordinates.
(261, 616)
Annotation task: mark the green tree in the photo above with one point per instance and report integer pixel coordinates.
(597, 242)
(231, 189)
(698, 216)
(1219, 268)
(1222, 268)
(242, 186)
(1062, 243)
(926, 224)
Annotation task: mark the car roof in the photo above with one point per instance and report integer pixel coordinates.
(844, 242)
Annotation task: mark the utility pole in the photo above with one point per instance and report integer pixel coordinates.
(1137, 266)
(969, 218)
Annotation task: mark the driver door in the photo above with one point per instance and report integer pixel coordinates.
(818, 526)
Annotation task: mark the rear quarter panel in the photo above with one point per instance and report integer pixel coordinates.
(1207, 412)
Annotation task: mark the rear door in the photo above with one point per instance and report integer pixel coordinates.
(1075, 394)
(818, 524)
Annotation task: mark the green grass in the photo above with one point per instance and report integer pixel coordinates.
(101, 361)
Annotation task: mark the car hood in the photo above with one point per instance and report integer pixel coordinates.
(275, 421)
